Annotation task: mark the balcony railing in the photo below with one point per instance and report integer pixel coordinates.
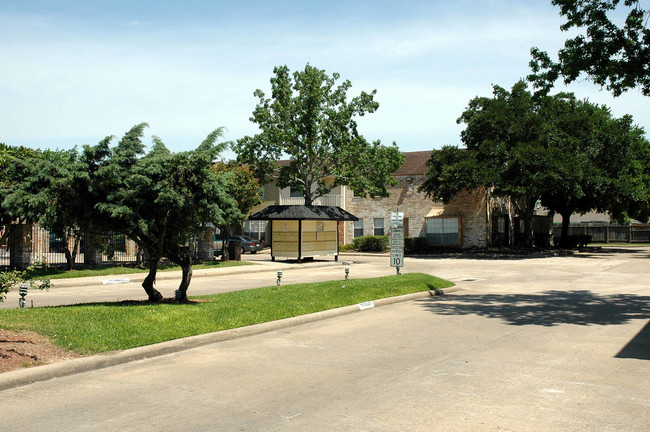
(328, 200)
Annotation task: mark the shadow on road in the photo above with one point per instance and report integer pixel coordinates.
(639, 347)
(548, 308)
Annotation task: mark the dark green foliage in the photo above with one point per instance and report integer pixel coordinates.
(568, 154)
(613, 56)
(416, 245)
(160, 200)
(371, 243)
(310, 120)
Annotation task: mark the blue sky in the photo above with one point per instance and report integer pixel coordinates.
(73, 72)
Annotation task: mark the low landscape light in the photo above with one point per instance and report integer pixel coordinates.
(347, 273)
(22, 291)
(279, 277)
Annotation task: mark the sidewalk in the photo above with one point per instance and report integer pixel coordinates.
(256, 267)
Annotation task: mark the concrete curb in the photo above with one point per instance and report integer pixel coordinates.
(24, 377)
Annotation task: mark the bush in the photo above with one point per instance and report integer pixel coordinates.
(371, 243)
(346, 247)
(415, 245)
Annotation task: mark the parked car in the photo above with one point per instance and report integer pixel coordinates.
(248, 244)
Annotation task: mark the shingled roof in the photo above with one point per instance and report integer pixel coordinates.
(302, 212)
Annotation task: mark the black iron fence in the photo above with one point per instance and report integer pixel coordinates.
(48, 249)
(601, 233)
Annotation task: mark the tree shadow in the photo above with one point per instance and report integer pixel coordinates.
(549, 308)
(639, 346)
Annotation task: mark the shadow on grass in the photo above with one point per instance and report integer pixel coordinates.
(132, 303)
(549, 308)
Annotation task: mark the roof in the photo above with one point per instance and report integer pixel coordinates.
(415, 163)
(302, 212)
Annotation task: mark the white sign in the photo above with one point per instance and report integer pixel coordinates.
(115, 281)
(397, 219)
(366, 305)
(397, 257)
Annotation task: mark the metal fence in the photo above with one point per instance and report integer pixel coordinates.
(48, 249)
(600, 233)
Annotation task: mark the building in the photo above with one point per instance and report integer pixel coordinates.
(465, 222)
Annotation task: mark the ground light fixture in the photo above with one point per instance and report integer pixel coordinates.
(22, 291)
(279, 278)
(347, 273)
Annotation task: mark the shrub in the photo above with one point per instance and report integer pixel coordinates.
(371, 243)
(346, 247)
(415, 245)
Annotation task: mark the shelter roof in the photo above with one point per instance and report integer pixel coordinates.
(303, 212)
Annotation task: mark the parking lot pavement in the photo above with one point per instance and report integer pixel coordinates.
(560, 343)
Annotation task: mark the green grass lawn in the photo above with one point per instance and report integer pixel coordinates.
(101, 327)
(53, 273)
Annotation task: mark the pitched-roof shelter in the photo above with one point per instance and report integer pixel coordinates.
(300, 231)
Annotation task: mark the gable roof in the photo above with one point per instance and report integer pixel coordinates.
(303, 212)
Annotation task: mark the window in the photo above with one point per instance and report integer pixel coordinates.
(358, 228)
(443, 231)
(378, 224)
(262, 193)
(295, 193)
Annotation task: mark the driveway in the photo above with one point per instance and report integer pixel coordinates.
(558, 343)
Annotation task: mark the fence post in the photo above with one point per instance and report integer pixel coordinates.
(629, 233)
(607, 234)
(93, 254)
(20, 245)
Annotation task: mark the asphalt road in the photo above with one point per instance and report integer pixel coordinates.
(559, 343)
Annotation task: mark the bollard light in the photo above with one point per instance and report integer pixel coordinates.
(279, 277)
(178, 295)
(22, 291)
(347, 273)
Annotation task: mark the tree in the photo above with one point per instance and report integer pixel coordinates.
(601, 160)
(159, 200)
(613, 56)
(310, 120)
(50, 194)
(504, 135)
(571, 155)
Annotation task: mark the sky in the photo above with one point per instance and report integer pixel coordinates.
(74, 72)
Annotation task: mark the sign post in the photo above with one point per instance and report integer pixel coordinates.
(397, 240)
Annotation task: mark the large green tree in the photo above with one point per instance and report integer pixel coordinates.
(571, 155)
(310, 120)
(602, 164)
(612, 49)
(159, 199)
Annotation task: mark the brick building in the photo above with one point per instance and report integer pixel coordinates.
(465, 222)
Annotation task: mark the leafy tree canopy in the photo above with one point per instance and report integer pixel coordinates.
(310, 120)
(159, 199)
(569, 153)
(613, 55)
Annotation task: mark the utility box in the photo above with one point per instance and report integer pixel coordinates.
(234, 250)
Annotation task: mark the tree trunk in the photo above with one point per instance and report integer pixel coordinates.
(150, 280)
(70, 253)
(186, 266)
(566, 219)
(181, 256)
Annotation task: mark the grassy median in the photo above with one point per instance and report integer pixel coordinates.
(101, 327)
